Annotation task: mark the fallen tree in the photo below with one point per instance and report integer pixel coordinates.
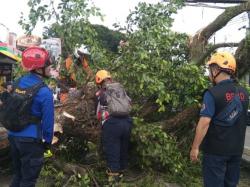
(156, 71)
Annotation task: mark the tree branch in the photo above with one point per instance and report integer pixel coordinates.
(212, 48)
(223, 19)
(242, 56)
(199, 41)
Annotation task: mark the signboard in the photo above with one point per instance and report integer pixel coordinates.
(28, 41)
(53, 45)
(216, 1)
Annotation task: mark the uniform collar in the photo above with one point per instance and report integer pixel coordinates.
(225, 81)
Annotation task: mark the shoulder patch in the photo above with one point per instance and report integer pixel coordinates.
(203, 107)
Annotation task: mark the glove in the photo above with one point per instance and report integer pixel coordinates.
(47, 154)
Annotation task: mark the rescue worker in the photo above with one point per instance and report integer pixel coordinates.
(80, 59)
(115, 131)
(28, 145)
(222, 143)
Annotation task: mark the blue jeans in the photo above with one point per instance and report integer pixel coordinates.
(27, 158)
(115, 140)
(221, 171)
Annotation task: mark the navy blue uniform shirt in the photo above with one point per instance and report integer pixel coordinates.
(208, 105)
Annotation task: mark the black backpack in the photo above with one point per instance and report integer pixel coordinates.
(15, 111)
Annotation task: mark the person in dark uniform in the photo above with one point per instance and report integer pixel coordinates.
(116, 131)
(222, 143)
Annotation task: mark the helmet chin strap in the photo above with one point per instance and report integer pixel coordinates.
(214, 76)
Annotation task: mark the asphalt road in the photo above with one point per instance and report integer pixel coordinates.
(247, 140)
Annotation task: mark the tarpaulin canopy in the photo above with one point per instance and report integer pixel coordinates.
(6, 59)
(7, 56)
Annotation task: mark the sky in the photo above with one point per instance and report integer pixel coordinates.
(189, 19)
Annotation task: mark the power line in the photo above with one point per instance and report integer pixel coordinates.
(217, 1)
(5, 26)
(205, 5)
(238, 20)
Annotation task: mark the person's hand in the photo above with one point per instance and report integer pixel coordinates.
(194, 155)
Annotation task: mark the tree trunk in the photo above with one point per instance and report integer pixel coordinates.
(242, 56)
(183, 118)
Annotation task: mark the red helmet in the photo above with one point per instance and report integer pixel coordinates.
(35, 58)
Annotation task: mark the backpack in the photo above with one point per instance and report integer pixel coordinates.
(228, 116)
(15, 110)
(118, 102)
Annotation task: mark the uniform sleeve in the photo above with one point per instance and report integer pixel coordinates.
(208, 105)
(47, 116)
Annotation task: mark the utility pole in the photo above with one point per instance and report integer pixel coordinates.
(247, 35)
(248, 28)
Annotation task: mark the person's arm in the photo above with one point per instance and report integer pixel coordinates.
(47, 116)
(206, 113)
(200, 133)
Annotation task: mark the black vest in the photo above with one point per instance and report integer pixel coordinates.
(226, 140)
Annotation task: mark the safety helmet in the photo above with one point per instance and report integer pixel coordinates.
(35, 58)
(101, 75)
(81, 51)
(224, 60)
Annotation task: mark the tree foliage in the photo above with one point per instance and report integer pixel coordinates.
(109, 39)
(70, 21)
(156, 60)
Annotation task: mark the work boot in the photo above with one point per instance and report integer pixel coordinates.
(114, 177)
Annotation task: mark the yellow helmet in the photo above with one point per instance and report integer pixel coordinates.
(101, 75)
(224, 60)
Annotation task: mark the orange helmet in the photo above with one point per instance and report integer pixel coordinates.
(101, 75)
(224, 60)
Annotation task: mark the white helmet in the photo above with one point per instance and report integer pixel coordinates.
(81, 51)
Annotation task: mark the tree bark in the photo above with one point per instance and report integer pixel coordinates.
(183, 118)
(242, 56)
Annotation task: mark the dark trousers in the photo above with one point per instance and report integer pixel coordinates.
(221, 171)
(115, 140)
(27, 158)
